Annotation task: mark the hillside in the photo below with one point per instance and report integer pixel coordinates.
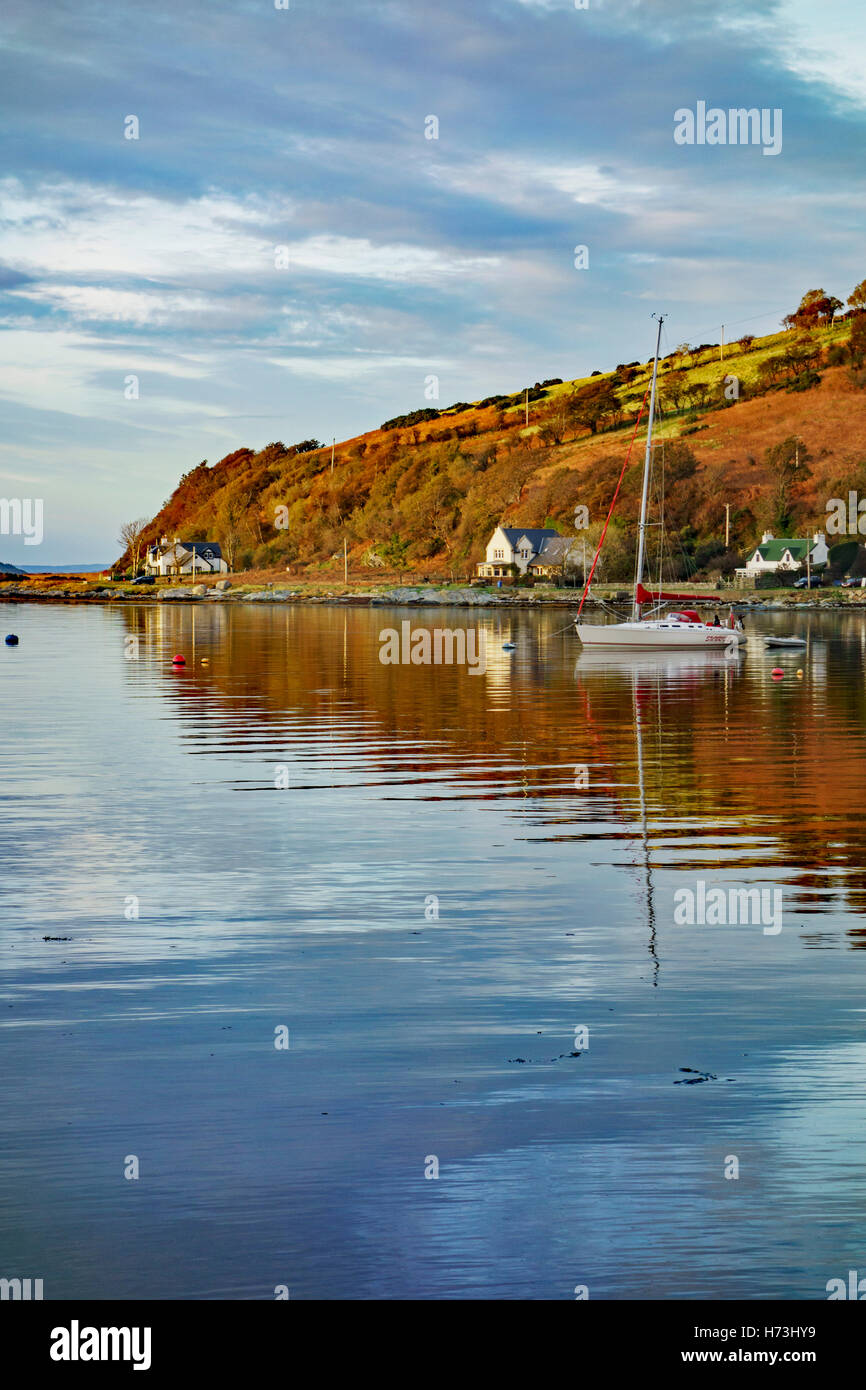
(424, 491)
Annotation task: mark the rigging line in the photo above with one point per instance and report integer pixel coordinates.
(613, 503)
(559, 631)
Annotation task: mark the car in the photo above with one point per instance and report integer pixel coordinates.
(143, 579)
(852, 583)
(813, 581)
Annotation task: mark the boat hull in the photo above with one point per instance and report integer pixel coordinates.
(649, 634)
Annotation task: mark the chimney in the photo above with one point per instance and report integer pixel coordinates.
(767, 536)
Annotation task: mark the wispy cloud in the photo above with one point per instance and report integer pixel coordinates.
(305, 129)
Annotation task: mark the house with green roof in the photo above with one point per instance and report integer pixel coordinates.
(785, 553)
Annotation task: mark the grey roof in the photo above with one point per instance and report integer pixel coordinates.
(200, 547)
(535, 535)
(554, 551)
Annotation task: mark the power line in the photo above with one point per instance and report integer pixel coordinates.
(769, 313)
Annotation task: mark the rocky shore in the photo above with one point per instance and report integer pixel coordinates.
(416, 596)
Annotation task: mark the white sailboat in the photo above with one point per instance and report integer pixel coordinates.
(681, 630)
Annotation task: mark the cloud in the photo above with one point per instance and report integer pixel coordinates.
(96, 303)
(353, 256)
(352, 368)
(826, 44)
(305, 129)
(74, 229)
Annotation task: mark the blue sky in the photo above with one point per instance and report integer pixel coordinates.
(305, 128)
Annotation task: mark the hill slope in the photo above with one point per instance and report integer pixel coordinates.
(426, 490)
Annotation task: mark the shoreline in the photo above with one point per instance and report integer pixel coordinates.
(409, 597)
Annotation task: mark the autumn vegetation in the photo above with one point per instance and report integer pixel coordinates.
(771, 426)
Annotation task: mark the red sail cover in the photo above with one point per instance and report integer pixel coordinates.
(643, 595)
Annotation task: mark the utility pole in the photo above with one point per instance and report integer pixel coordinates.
(527, 405)
(333, 447)
(727, 525)
(345, 561)
(722, 345)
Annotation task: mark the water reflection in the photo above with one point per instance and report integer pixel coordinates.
(553, 807)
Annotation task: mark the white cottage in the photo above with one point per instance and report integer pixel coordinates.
(185, 557)
(775, 553)
(511, 545)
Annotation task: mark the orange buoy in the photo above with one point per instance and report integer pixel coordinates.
(179, 661)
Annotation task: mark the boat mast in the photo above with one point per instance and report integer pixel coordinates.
(641, 540)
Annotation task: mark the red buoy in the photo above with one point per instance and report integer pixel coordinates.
(179, 661)
(777, 673)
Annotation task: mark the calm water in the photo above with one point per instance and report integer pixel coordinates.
(262, 907)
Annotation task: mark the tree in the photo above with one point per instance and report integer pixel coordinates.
(816, 307)
(857, 297)
(697, 394)
(788, 461)
(555, 421)
(592, 405)
(131, 537)
(394, 553)
(675, 386)
(231, 524)
(857, 341)
(770, 370)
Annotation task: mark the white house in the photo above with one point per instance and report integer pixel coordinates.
(185, 557)
(775, 554)
(558, 554)
(510, 545)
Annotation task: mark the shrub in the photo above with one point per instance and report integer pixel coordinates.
(805, 381)
(414, 417)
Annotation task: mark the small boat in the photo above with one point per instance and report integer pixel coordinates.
(784, 641)
(509, 646)
(681, 630)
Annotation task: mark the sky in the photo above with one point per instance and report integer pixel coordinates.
(283, 253)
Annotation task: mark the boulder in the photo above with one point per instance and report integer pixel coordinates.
(198, 590)
(222, 584)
